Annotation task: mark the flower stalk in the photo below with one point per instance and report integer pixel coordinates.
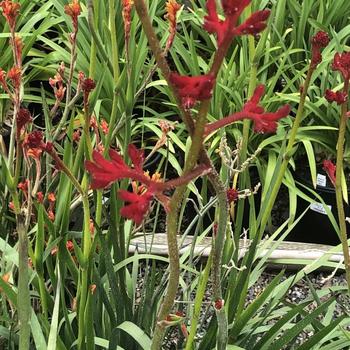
(338, 185)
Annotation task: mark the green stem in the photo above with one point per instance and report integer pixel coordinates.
(84, 285)
(23, 297)
(204, 277)
(338, 186)
(172, 227)
(277, 183)
(217, 258)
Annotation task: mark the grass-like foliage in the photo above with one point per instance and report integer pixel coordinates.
(125, 119)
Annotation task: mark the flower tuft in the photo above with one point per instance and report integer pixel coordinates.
(320, 39)
(330, 169)
(341, 63)
(192, 89)
(15, 75)
(255, 24)
(73, 10)
(23, 118)
(339, 97)
(10, 11)
(172, 7)
(232, 195)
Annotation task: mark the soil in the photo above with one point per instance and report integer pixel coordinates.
(299, 292)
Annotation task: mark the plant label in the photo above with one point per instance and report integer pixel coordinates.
(319, 208)
(321, 180)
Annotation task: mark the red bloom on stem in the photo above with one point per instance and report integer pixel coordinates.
(172, 7)
(34, 140)
(255, 24)
(212, 23)
(192, 89)
(234, 7)
(23, 118)
(339, 97)
(138, 206)
(232, 195)
(219, 304)
(10, 11)
(126, 13)
(87, 85)
(341, 62)
(15, 75)
(264, 122)
(73, 10)
(318, 41)
(227, 28)
(330, 169)
(104, 172)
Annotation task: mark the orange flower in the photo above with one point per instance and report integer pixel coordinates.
(10, 11)
(5, 278)
(18, 44)
(104, 126)
(51, 197)
(127, 8)
(15, 75)
(171, 10)
(73, 10)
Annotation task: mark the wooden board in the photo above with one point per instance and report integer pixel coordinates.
(157, 244)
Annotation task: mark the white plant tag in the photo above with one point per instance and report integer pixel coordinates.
(319, 208)
(321, 180)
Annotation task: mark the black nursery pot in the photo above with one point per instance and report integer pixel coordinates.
(315, 226)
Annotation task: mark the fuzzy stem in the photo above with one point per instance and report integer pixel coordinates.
(196, 149)
(217, 257)
(172, 226)
(160, 59)
(338, 186)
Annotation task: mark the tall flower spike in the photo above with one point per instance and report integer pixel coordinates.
(10, 11)
(73, 10)
(126, 13)
(192, 89)
(172, 7)
(318, 41)
(228, 28)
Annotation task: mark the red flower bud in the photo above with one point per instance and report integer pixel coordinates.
(330, 169)
(339, 97)
(341, 63)
(232, 195)
(197, 88)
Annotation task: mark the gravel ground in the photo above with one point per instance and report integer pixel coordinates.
(299, 292)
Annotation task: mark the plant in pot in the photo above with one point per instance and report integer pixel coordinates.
(314, 166)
